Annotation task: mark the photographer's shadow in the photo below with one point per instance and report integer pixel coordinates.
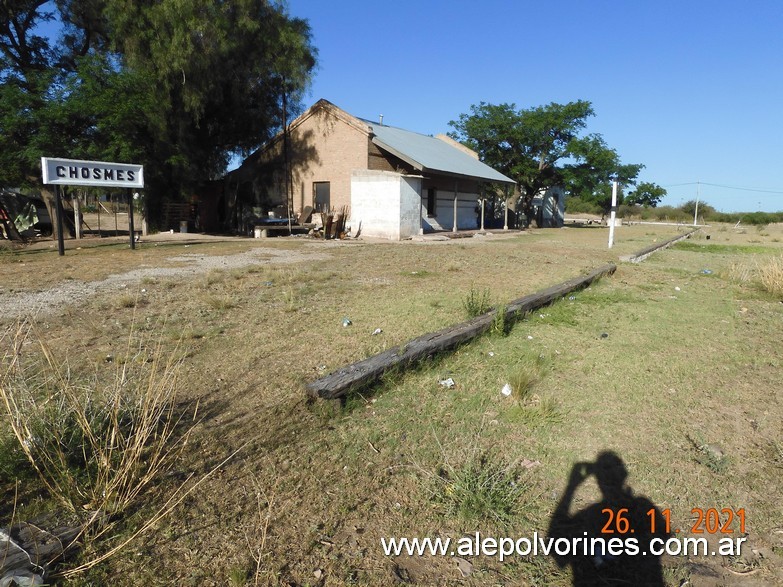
(609, 542)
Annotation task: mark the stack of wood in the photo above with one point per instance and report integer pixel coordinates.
(334, 223)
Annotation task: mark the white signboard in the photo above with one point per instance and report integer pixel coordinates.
(91, 173)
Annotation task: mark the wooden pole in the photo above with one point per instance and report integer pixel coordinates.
(130, 218)
(144, 216)
(59, 214)
(288, 194)
(482, 214)
(77, 215)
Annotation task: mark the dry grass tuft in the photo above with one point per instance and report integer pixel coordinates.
(95, 445)
(771, 276)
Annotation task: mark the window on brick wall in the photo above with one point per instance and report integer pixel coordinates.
(432, 202)
(321, 196)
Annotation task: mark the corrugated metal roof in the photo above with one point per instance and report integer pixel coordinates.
(431, 154)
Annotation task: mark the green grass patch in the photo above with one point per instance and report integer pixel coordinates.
(481, 489)
(723, 249)
(476, 302)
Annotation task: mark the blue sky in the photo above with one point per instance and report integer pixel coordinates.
(691, 89)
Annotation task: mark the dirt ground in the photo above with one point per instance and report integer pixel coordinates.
(689, 360)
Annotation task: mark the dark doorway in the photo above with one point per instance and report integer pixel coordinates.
(432, 202)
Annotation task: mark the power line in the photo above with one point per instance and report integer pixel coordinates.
(730, 187)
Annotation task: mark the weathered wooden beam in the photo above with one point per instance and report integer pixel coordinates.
(640, 256)
(359, 374)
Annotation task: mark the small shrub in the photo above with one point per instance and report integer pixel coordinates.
(533, 409)
(709, 455)
(501, 323)
(540, 411)
(574, 205)
(127, 301)
(291, 300)
(223, 302)
(13, 463)
(476, 302)
(522, 382)
(238, 576)
(215, 276)
(481, 489)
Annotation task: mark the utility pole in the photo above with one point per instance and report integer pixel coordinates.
(696, 211)
(287, 163)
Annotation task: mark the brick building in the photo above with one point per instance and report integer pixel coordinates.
(395, 183)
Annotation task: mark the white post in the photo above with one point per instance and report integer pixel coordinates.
(696, 211)
(613, 214)
(482, 214)
(77, 215)
(144, 214)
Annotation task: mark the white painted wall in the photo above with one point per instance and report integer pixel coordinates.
(375, 204)
(385, 204)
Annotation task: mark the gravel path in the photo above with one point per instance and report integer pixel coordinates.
(41, 303)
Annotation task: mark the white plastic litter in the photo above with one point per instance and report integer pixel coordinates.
(447, 383)
(376, 331)
(506, 389)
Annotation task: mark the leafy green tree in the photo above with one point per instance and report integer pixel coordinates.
(704, 209)
(646, 194)
(177, 85)
(592, 169)
(542, 147)
(525, 145)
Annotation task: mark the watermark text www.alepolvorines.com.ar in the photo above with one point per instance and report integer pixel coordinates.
(537, 545)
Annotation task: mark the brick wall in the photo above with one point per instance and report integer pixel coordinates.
(323, 148)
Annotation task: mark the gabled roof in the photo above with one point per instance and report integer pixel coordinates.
(427, 153)
(424, 153)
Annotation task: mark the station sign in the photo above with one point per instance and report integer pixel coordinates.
(91, 173)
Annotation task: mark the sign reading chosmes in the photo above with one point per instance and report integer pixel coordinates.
(91, 173)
